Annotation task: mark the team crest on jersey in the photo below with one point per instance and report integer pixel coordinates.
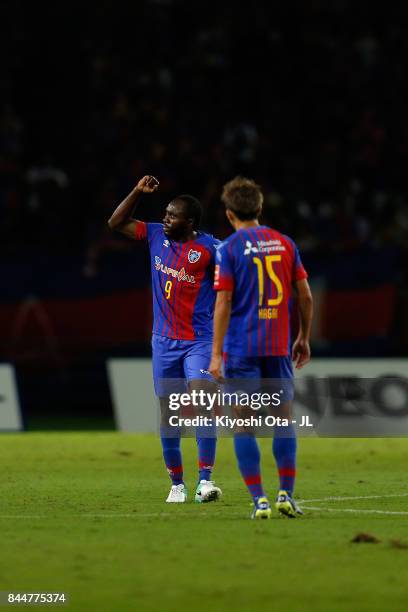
(193, 256)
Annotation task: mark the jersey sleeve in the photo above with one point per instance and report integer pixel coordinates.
(212, 244)
(224, 278)
(145, 231)
(215, 245)
(141, 230)
(299, 273)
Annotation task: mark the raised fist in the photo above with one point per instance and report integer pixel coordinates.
(148, 184)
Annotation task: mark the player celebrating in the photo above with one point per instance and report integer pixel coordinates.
(182, 264)
(256, 269)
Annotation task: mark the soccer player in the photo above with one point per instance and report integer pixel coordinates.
(182, 267)
(256, 269)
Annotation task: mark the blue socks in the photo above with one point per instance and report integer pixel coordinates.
(172, 456)
(284, 451)
(206, 446)
(248, 455)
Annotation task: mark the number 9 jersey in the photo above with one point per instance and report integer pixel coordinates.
(182, 283)
(259, 265)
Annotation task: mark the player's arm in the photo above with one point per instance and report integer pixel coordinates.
(301, 346)
(222, 315)
(121, 220)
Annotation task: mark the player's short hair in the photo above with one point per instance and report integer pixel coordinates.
(192, 208)
(243, 197)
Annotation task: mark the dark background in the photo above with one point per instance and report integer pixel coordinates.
(308, 98)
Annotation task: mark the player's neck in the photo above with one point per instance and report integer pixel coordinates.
(245, 224)
(187, 237)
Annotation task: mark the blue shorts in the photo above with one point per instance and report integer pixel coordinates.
(183, 360)
(255, 373)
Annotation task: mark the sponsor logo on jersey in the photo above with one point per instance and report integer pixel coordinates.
(249, 248)
(180, 275)
(268, 246)
(263, 246)
(193, 256)
(166, 243)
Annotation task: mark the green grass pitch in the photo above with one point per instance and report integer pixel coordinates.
(84, 513)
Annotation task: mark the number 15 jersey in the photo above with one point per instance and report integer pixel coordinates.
(259, 265)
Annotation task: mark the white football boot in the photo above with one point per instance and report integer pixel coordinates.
(207, 492)
(177, 495)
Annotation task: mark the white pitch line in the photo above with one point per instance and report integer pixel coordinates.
(22, 516)
(301, 502)
(354, 510)
(324, 499)
(133, 515)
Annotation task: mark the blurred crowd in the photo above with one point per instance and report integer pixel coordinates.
(308, 98)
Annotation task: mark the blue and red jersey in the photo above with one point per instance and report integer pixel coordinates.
(182, 283)
(259, 265)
